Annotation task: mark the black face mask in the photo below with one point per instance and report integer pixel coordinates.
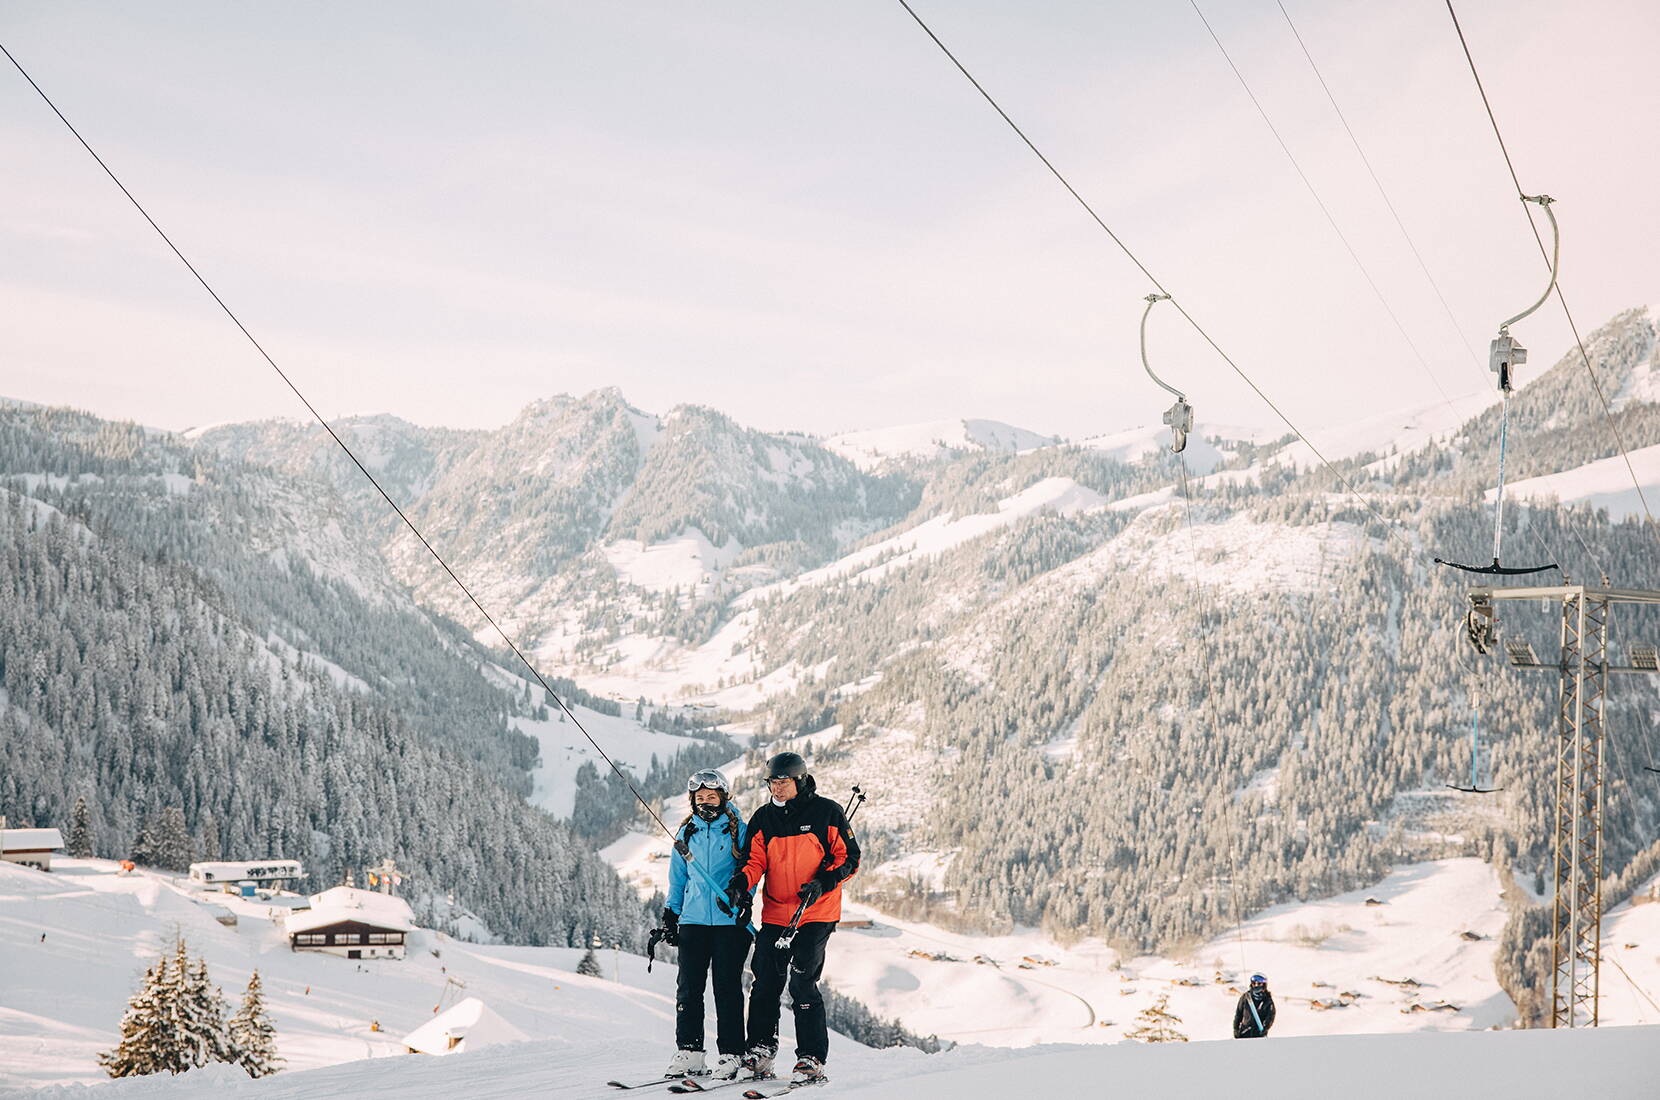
(707, 813)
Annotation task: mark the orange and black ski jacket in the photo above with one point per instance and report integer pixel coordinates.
(807, 837)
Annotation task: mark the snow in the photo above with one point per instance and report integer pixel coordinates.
(1400, 430)
(178, 485)
(1602, 1062)
(62, 1000)
(869, 449)
(17, 840)
(343, 903)
(1631, 960)
(1089, 993)
(686, 562)
(563, 750)
(1605, 483)
(341, 678)
(468, 1026)
(1238, 554)
(1058, 495)
(1136, 444)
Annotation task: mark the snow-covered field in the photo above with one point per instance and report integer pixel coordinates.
(62, 999)
(61, 996)
(938, 982)
(1605, 483)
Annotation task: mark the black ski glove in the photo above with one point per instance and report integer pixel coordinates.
(810, 891)
(671, 927)
(737, 893)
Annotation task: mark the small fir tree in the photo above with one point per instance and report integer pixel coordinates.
(252, 1033)
(146, 852)
(1157, 1024)
(175, 849)
(80, 830)
(204, 1013)
(148, 1036)
(589, 965)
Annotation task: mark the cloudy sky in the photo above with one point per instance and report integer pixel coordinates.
(801, 214)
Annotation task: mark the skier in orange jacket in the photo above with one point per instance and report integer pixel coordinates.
(801, 847)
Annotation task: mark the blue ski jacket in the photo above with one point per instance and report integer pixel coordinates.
(712, 844)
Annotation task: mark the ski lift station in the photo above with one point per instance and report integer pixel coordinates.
(352, 923)
(247, 877)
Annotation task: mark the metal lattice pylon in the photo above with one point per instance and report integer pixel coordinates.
(1576, 925)
(1584, 666)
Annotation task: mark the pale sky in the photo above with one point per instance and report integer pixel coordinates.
(801, 214)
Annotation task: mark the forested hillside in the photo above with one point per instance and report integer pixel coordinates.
(182, 631)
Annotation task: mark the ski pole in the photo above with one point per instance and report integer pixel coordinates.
(854, 801)
(787, 937)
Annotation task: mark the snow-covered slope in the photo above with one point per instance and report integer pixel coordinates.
(1605, 483)
(930, 439)
(74, 942)
(1320, 951)
(63, 997)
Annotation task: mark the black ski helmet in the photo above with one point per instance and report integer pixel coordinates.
(790, 765)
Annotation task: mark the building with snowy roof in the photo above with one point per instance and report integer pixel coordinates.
(245, 876)
(467, 1025)
(352, 923)
(30, 847)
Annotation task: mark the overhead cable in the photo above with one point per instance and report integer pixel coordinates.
(343, 446)
(1383, 194)
(1585, 358)
(1377, 291)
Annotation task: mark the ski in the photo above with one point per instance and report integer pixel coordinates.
(779, 1088)
(659, 1080)
(689, 1085)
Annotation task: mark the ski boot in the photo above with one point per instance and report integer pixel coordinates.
(808, 1071)
(686, 1063)
(726, 1067)
(757, 1062)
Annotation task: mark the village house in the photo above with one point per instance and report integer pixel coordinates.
(352, 923)
(30, 847)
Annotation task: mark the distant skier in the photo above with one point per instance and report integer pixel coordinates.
(801, 845)
(1255, 1013)
(712, 943)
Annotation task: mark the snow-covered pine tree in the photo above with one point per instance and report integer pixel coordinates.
(203, 1013)
(252, 1033)
(174, 846)
(80, 830)
(1157, 1024)
(146, 852)
(150, 1041)
(589, 965)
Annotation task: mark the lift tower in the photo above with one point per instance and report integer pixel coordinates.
(1583, 666)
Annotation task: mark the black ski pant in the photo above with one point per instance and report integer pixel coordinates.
(801, 964)
(719, 951)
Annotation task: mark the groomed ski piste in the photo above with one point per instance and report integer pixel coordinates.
(62, 999)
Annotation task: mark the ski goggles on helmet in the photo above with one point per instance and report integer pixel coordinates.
(709, 779)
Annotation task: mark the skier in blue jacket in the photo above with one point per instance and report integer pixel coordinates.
(712, 934)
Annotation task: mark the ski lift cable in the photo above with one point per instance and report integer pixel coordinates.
(343, 446)
(1382, 193)
(1391, 526)
(1324, 209)
(1579, 342)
